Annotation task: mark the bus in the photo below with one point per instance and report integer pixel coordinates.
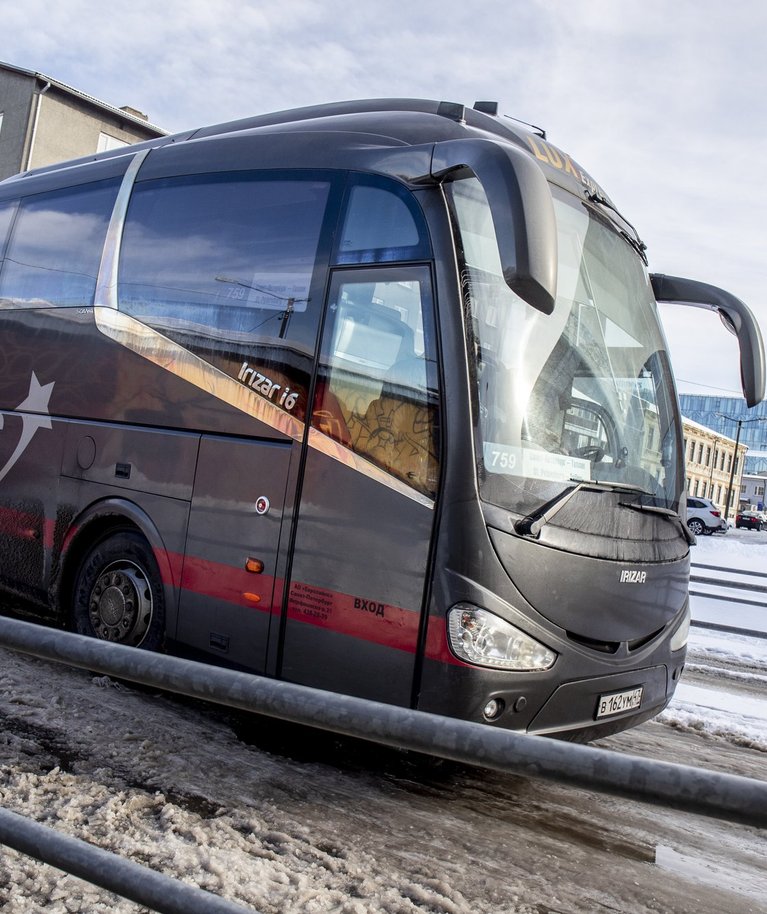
(370, 396)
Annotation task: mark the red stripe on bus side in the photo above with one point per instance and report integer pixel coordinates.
(170, 565)
(21, 524)
(358, 617)
(225, 582)
(355, 616)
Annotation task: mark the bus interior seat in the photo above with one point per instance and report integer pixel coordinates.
(399, 429)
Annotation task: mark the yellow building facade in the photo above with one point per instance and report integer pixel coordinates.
(708, 461)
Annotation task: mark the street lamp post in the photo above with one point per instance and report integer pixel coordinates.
(741, 423)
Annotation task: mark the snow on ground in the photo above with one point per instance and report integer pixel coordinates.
(748, 547)
(284, 819)
(289, 820)
(742, 722)
(729, 660)
(731, 647)
(735, 660)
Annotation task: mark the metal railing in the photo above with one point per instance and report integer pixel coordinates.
(110, 871)
(681, 787)
(743, 589)
(678, 786)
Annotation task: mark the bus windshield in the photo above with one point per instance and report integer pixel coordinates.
(583, 394)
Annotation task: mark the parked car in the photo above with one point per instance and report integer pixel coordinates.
(703, 516)
(751, 520)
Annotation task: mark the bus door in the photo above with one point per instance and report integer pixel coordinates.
(366, 512)
(230, 580)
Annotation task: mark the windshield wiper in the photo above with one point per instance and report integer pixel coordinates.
(633, 239)
(532, 523)
(664, 512)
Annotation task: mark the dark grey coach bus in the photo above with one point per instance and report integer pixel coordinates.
(370, 396)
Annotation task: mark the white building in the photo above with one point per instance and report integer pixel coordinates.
(752, 490)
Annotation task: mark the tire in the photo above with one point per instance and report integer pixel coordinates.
(696, 526)
(118, 593)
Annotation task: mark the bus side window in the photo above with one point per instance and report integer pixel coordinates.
(224, 264)
(6, 217)
(54, 251)
(377, 390)
(381, 225)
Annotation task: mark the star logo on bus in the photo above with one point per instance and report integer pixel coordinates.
(34, 415)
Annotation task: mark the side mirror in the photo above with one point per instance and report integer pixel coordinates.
(735, 315)
(521, 207)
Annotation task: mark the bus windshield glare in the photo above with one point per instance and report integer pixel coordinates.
(583, 394)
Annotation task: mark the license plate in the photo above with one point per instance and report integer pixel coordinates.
(618, 702)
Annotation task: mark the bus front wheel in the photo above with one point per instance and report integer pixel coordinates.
(118, 594)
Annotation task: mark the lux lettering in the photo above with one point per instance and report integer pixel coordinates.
(551, 156)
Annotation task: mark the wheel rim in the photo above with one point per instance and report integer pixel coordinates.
(696, 526)
(120, 604)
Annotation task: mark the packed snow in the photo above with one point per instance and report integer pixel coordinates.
(729, 658)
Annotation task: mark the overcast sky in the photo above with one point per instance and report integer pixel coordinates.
(663, 102)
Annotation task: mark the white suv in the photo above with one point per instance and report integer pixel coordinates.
(703, 516)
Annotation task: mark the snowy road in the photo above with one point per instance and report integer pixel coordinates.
(284, 819)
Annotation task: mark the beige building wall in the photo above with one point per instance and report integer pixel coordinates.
(708, 463)
(64, 130)
(45, 121)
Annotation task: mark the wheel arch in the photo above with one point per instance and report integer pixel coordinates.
(95, 524)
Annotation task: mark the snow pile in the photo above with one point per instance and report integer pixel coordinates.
(741, 649)
(740, 721)
(733, 659)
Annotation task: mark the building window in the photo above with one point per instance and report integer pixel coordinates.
(700, 452)
(107, 142)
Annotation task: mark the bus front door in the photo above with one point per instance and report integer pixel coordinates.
(362, 540)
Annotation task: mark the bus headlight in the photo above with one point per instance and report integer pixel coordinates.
(480, 637)
(679, 638)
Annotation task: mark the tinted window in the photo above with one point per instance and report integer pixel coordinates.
(224, 265)
(378, 391)
(55, 249)
(381, 224)
(6, 217)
